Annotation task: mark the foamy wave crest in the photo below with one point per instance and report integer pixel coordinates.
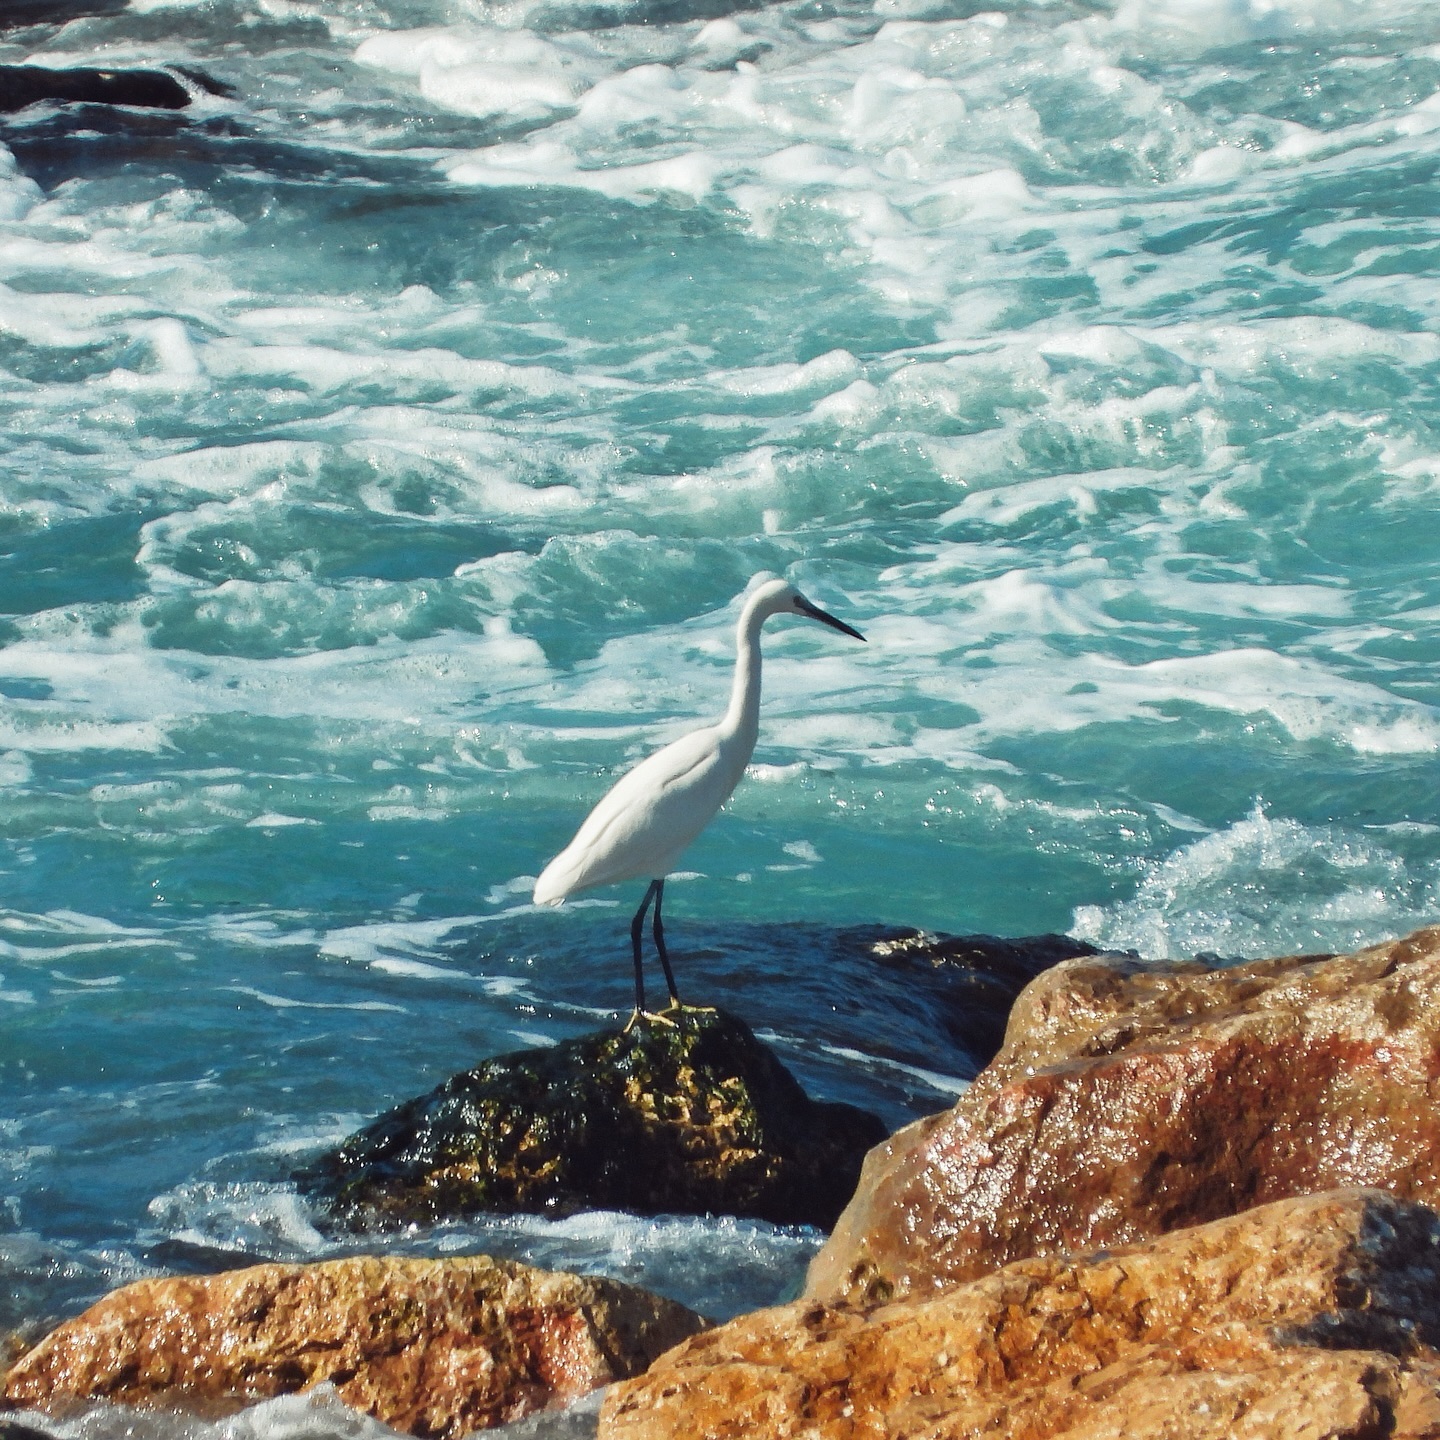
(1265, 886)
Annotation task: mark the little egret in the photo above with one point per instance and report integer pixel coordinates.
(644, 823)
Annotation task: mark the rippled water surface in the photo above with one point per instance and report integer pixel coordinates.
(386, 445)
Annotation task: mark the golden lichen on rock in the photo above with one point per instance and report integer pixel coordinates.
(692, 1116)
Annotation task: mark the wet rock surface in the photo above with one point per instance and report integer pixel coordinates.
(1133, 1099)
(1313, 1317)
(696, 1116)
(432, 1347)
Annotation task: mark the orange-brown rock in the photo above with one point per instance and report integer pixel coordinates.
(1133, 1099)
(1314, 1317)
(433, 1347)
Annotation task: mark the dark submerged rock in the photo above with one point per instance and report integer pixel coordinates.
(693, 1117)
(22, 85)
(13, 1430)
(17, 14)
(935, 1002)
(969, 982)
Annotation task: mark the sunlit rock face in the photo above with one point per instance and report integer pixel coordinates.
(1309, 1317)
(1132, 1099)
(688, 1114)
(436, 1348)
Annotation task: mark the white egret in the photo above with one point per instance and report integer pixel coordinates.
(644, 823)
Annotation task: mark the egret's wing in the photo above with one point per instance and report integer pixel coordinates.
(639, 829)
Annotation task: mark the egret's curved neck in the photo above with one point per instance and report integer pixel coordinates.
(742, 719)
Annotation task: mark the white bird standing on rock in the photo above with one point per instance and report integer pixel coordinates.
(652, 813)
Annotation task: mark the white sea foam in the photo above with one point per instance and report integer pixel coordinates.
(1262, 886)
(932, 1079)
(366, 944)
(318, 1411)
(717, 1264)
(269, 1221)
(286, 1002)
(15, 997)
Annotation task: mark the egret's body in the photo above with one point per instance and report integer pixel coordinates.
(640, 829)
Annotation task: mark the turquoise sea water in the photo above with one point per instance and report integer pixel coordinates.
(386, 446)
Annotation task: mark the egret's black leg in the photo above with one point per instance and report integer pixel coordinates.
(637, 930)
(660, 945)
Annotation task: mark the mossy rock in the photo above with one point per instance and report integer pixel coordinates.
(695, 1117)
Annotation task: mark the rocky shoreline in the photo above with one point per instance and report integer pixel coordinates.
(1183, 1199)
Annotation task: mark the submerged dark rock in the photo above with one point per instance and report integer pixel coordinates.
(22, 85)
(13, 1430)
(16, 14)
(969, 982)
(693, 1117)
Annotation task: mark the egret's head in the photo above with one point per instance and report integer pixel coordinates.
(780, 597)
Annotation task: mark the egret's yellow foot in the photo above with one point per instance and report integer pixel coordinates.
(636, 1015)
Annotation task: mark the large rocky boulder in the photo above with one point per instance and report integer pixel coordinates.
(432, 1347)
(695, 1116)
(1132, 1099)
(1310, 1318)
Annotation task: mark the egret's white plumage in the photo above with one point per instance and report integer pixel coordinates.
(644, 824)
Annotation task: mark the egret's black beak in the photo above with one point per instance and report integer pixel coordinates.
(816, 613)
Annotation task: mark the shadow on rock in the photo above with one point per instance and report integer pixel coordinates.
(692, 1117)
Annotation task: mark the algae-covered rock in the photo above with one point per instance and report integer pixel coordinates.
(692, 1117)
